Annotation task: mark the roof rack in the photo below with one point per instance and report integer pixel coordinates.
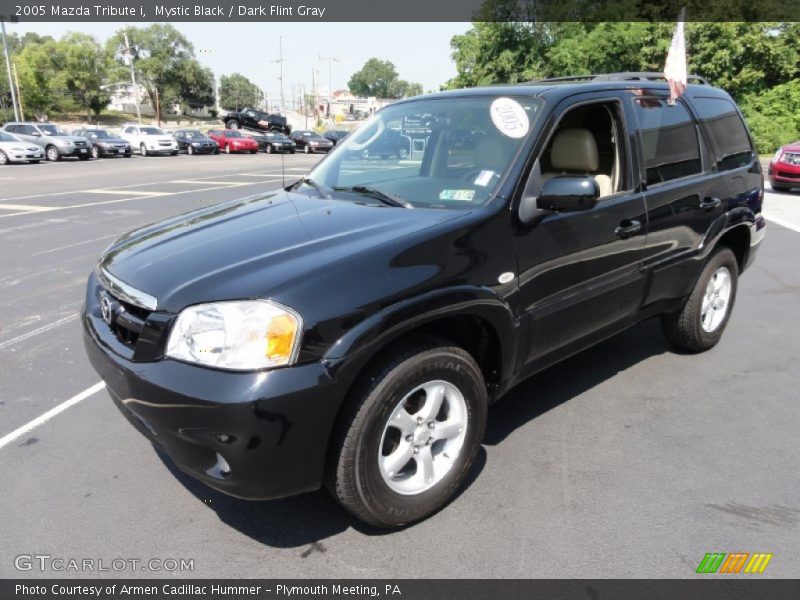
(624, 76)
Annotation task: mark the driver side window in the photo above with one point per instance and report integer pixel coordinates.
(588, 142)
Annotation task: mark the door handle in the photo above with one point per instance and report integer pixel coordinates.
(627, 228)
(709, 203)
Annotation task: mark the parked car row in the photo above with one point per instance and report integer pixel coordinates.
(34, 142)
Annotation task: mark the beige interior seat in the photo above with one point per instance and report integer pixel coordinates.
(574, 152)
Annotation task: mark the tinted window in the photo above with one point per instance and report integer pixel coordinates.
(669, 140)
(727, 130)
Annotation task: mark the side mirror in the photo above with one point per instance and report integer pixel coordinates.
(560, 194)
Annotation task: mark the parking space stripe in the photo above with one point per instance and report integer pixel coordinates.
(123, 192)
(205, 182)
(25, 207)
(40, 420)
(37, 331)
(783, 223)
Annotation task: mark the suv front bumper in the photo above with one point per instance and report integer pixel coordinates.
(254, 435)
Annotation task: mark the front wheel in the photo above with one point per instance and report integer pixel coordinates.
(95, 152)
(143, 150)
(409, 435)
(189, 150)
(699, 324)
(3, 158)
(52, 153)
(227, 149)
(307, 150)
(268, 149)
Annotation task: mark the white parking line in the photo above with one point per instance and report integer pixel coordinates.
(113, 192)
(25, 207)
(31, 425)
(37, 331)
(784, 223)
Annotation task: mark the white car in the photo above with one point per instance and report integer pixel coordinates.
(149, 140)
(13, 149)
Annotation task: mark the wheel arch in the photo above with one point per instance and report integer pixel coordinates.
(737, 238)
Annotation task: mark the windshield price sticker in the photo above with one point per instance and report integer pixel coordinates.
(509, 117)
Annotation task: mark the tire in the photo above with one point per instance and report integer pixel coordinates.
(232, 124)
(174, 153)
(95, 152)
(402, 153)
(356, 473)
(292, 151)
(216, 150)
(143, 150)
(365, 154)
(3, 158)
(53, 154)
(253, 151)
(227, 149)
(268, 149)
(700, 323)
(189, 150)
(307, 149)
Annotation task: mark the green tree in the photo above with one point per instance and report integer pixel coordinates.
(84, 67)
(40, 78)
(379, 78)
(164, 61)
(237, 91)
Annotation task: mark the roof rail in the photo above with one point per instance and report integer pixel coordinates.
(624, 76)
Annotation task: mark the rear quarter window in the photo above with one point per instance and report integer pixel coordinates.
(727, 131)
(669, 140)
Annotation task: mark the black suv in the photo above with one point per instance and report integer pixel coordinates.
(353, 328)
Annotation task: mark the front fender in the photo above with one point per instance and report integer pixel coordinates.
(375, 332)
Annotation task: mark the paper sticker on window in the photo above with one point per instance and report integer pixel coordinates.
(509, 117)
(483, 178)
(462, 195)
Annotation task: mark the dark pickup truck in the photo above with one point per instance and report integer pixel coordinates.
(252, 118)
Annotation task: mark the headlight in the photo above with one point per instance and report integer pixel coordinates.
(68, 143)
(313, 143)
(777, 156)
(239, 335)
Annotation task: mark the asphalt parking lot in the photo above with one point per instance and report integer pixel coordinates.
(628, 460)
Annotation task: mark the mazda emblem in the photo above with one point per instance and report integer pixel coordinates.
(105, 308)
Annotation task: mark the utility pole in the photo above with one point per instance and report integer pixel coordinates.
(19, 94)
(128, 53)
(280, 77)
(330, 60)
(8, 70)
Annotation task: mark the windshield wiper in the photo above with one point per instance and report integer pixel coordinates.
(310, 182)
(388, 199)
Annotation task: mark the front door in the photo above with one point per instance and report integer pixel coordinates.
(580, 272)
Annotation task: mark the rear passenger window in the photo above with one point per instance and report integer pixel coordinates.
(727, 130)
(669, 140)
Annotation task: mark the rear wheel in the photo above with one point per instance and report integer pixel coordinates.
(699, 324)
(52, 154)
(409, 435)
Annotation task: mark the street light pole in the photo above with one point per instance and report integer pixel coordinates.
(8, 70)
(330, 60)
(280, 77)
(129, 57)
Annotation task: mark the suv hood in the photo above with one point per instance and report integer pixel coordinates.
(245, 248)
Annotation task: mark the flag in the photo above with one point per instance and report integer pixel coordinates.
(675, 67)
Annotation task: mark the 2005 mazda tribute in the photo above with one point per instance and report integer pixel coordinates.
(352, 328)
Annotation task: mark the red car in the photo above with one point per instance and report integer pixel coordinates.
(784, 168)
(230, 140)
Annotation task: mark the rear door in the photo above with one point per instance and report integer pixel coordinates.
(683, 191)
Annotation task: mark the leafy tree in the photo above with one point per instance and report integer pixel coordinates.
(164, 61)
(237, 91)
(40, 78)
(84, 67)
(774, 116)
(379, 78)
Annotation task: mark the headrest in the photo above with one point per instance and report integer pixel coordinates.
(574, 150)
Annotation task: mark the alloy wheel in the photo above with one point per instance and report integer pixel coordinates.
(716, 300)
(423, 437)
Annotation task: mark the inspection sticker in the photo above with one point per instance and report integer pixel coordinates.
(483, 178)
(464, 195)
(509, 117)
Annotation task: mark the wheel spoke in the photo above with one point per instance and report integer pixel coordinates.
(447, 430)
(398, 459)
(425, 464)
(402, 420)
(434, 396)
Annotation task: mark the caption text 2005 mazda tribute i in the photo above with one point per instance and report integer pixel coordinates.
(352, 328)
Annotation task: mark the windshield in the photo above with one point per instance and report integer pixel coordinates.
(98, 134)
(193, 135)
(233, 134)
(4, 137)
(52, 130)
(151, 131)
(437, 153)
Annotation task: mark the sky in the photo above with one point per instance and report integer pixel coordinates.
(419, 51)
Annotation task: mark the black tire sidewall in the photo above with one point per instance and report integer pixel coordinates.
(386, 505)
